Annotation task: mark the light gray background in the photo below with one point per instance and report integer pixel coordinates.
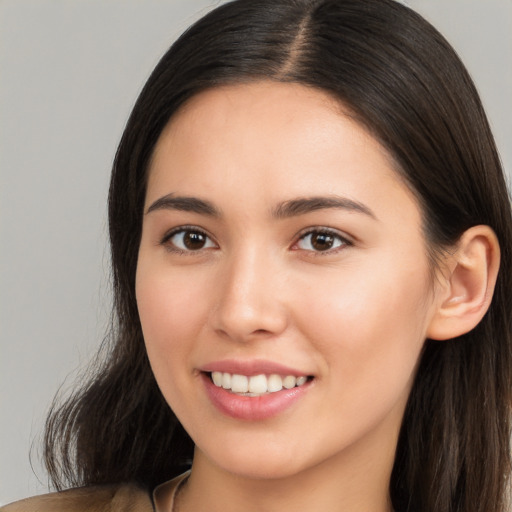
(70, 71)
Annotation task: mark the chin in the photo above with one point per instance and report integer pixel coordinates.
(256, 463)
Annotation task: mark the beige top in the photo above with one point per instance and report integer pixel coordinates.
(165, 494)
(105, 498)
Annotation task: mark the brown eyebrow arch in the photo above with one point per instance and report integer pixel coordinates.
(184, 204)
(302, 206)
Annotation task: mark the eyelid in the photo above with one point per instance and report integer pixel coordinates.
(347, 240)
(179, 229)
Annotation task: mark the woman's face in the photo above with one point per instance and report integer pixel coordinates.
(283, 282)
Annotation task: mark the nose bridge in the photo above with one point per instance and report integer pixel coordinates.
(249, 300)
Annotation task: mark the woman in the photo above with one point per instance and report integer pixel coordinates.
(311, 243)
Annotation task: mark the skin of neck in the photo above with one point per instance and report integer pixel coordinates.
(354, 480)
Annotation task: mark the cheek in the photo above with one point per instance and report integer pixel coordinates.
(369, 323)
(169, 323)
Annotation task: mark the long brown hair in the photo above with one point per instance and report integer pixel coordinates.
(403, 82)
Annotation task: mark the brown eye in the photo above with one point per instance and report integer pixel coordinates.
(193, 240)
(190, 240)
(321, 241)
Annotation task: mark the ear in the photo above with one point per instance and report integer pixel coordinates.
(466, 285)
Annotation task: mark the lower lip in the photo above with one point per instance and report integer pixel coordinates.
(252, 408)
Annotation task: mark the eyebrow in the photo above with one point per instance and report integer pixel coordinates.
(302, 206)
(291, 208)
(184, 204)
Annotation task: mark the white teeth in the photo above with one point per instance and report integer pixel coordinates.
(226, 380)
(239, 383)
(274, 383)
(301, 380)
(256, 384)
(289, 382)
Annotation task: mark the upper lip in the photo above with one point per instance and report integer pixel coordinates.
(252, 367)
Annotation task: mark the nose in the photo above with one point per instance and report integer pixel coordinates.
(250, 301)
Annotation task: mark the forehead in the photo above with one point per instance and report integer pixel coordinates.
(274, 138)
(259, 108)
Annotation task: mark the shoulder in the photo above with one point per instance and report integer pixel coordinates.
(108, 498)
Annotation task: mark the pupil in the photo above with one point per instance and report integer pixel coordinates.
(194, 240)
(322, 241)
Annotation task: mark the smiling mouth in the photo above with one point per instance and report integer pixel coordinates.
(256, 385)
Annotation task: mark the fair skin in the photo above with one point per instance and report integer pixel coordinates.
(240, 272)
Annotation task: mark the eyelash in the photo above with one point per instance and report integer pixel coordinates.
(184, 229)
(343, 241)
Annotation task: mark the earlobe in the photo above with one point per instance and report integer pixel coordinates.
(469, 280)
